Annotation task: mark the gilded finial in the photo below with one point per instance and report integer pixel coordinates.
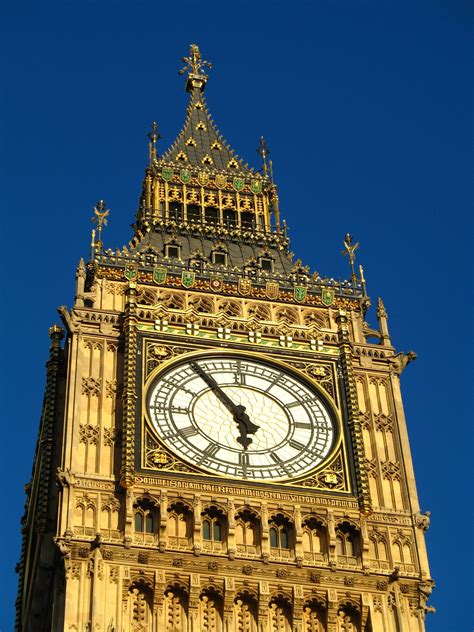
(100, 216)
(194, 65)
(263, 151)
(350, 249)
(154, 135)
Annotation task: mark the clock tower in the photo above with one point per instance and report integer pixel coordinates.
(223, 445)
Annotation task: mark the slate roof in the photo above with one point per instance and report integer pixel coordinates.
(200, 140)
(239, 253)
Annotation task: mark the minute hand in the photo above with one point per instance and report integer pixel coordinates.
(237, 410)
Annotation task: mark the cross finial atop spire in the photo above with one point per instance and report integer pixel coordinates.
(197, 78)
(263, 151)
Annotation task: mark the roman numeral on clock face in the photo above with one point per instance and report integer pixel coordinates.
(189, 431)
(243, 459)
(211, 450)
(296, 445)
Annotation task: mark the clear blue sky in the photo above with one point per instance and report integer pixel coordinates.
(366, 106)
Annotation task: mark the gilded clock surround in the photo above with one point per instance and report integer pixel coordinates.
(331, 474)
(119, 533)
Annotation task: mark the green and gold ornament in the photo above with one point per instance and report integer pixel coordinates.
(238, 183)
(256, 186)
(167, 174)
(299, 292)
(187, 278)
(185, 176)
(159, 274)
(131, 271)
(327, 296)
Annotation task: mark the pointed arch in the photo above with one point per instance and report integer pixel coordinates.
(245, 611)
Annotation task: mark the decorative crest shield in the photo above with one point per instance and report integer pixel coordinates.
(221, 181)
(203, 178)
(271, 289)
(327, 296)
(187, 278)
(256, 186)
(185, 176)
(216, 283)
(299, 292)
(167, 173)
(245, 286)
(238, 183)
(131, 271)
(159, 274)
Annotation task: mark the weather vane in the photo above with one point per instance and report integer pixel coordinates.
(263, 151)
(194, 63)
(100, 216)
(350, 249)
(154, 135)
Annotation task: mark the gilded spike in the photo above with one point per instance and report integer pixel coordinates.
(350, 249)
(263, 151)
(154, 135)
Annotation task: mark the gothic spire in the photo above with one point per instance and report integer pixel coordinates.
(200, 143)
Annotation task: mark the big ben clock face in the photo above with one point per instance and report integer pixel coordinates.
(241, 418)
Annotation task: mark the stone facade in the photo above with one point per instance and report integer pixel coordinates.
(121, 534)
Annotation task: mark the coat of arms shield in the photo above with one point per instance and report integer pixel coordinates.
(203, 178)
(216, 283)
(187, 278)
(271, 289)
(238, 183)
(299, 292)
(131, 271)
(327, 296)
(167, 173)
(256, 186)
(245, 285)
(159, 274)
(185, 176)
(221, 181)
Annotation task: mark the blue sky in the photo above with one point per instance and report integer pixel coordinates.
(367, 109)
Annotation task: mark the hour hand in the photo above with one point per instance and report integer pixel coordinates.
(245, 426)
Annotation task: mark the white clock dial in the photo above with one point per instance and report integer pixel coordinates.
(241, 418)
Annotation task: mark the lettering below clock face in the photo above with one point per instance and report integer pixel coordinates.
(241, 418)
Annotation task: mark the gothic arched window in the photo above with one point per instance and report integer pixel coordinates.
(179, 525)
(145, 520)
(213, 529)
(314, 540)
(247, 532)
(347, 544)
(280, 532)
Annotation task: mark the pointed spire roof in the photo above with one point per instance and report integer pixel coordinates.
(200, 144)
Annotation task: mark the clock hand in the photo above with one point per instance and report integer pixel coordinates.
(238, 411)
